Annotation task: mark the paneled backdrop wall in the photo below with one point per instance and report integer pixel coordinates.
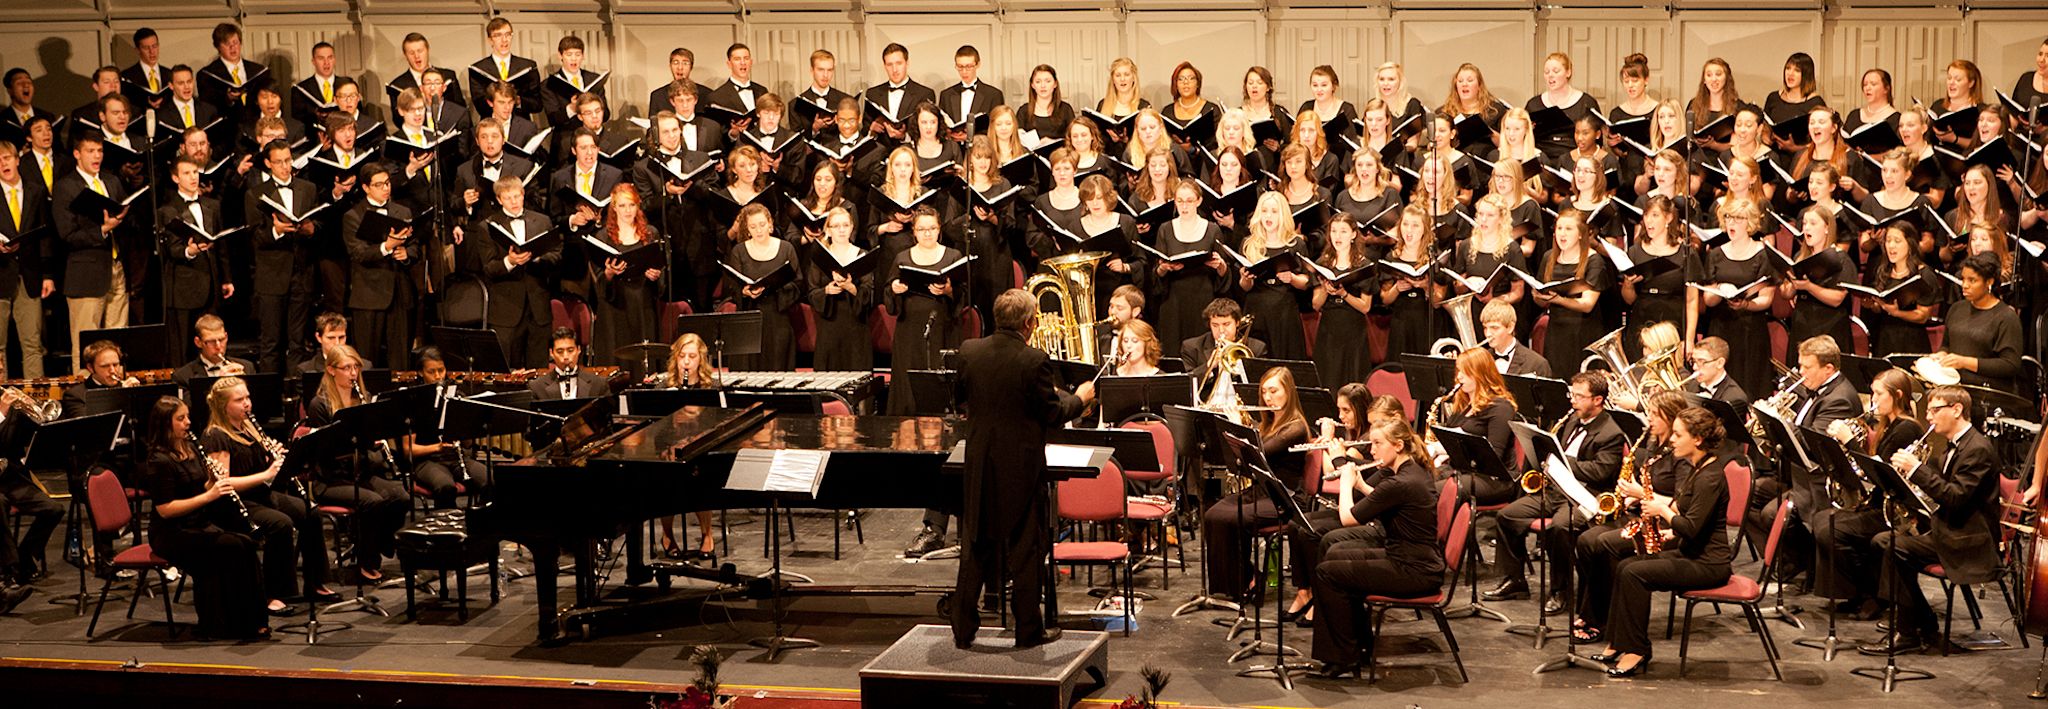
(61, 41)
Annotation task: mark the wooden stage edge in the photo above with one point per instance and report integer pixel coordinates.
(47, 681)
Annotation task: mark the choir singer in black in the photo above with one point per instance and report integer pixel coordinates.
(1007, 388)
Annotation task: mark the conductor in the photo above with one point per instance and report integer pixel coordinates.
(1007, 387)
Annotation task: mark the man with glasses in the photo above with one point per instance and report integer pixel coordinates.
(1710, 375)
(1821, 397)
(1592, 446)
(1961, 478)
(502, 66)
(565, 379)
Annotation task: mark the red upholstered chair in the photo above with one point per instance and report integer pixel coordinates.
(1310, 323)
(1454, 552)
(970, 324)
(882, 330)
(1540, 332)
(805, 321)
(571, 312)
(1388, 379)
(669, 312)
(1098, 500)
(110, 513)
(1743, 591)
(1778, 339)
(1377, 329)
(1154, 515)
(1859, 335)
(1738, 477)
(1934, 337)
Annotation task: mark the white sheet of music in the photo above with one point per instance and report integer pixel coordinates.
(1065, 456)
(796, 471)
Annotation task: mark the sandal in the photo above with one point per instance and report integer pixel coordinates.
(670, 549)
(1583, 634)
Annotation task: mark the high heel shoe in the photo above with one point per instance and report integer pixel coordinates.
(1642, 666)
(1330, 670)
(672, 550)
(1287, 616)
(1605, 658)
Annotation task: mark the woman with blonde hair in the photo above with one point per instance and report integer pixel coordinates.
(689, 367)
(1739, 262)
(1468, 96)
(1120, 97)
(1274, 298)
(379, 502)
(235, 445)
(1390, 83)
(1315, 145)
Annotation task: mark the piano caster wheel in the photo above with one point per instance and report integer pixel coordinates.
(945, 605)
(662, 580)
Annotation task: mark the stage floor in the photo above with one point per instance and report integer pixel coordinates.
(1727, 667)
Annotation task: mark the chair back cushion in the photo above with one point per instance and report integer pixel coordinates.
(1454, 545)
(109, 503)
(1446, 505)
(1738, 492)
(1096, 499)
(1777, 531)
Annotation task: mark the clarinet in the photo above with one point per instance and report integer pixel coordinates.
(277, 450)
(219, 474)
(384, 447)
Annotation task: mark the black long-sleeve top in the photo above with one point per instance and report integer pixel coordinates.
(1491, 422)
(1405, 505)
(1992, 335)
(1287, 465)
(1700, 527)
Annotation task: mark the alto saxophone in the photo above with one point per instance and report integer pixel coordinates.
(1646, 530)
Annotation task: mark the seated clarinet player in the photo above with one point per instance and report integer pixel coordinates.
(235, 444)
(440, 465)
(195, 523)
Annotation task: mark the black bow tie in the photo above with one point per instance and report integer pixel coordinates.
(1504, 355)
(492, 165)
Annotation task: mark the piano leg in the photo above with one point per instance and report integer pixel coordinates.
(546, 565)
(637, 572)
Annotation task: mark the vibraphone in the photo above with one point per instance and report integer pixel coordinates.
(854, 388)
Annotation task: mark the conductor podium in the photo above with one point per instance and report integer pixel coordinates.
(923, 669)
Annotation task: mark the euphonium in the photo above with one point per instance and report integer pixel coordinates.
(1608, 349)
(1068, 332)
(1460, 310)
(38, 411)
(1779, 403)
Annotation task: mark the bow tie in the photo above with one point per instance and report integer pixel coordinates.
(1503, 356)
(492, 165)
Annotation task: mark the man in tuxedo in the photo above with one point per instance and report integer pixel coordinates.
(565, 87)
(1822, 396)
(678, 216)
(106, 80)
(210, 335)
(473, 192)
(502, 66)
(698, 133)
(270, 106)
(1497, 334)
(380, 294)
(41, 162)
(896, 97)
(1593, 446)
(445, 117)
(575, 188)
(516, 277)
(680, 62)
(822, 97)
(417, 175)
(1710, 375)
(360, 114)
(1225, 317)
(144, 81)
(564, 378)
(314, 95)
(418, 64)
(21, 96)
(732, 103)
(522, 137)
(230, 82)
(185, 109)
(283, 302)
(1007, 388)
(1960, 476)
(95, 281)
(196, 271)
(22, 260)
(123, 144)
(961, 103)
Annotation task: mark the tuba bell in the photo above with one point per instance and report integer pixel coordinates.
(1068, 331)
(1460, 309)
(1608, 349)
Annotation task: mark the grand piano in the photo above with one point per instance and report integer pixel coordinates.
(606, 475)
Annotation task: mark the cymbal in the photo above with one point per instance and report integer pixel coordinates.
(644, 351)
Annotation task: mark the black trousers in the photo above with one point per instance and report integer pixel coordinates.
(1599, 549)
(439, 475)
(1848, 564)
(1343, 580)
(1797, 545)
(1635, 578)
(227, 584)
(1556, 537)
(333, 277)
(1227, 543)
(1483, 490)
(282, 320)
(1331, 533)
(1901, 579)
(383, 335)
(525, 343)
(286, 522)
(20, 557)
(996, 559)
(379, 506)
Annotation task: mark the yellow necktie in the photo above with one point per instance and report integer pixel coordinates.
(327, 90)
(185, 112)
(346, 159)
(583, 182)
(14, 207)
(430, 119)
(47, 179)
(504, 70)
(235, 72)
(152, 79)
(427, 171)
(576, 80)
(96, 186)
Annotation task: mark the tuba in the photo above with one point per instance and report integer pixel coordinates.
(1460, 309)
(1608, 349)
(1068, 331)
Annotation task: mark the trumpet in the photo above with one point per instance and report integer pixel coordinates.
(38, 411)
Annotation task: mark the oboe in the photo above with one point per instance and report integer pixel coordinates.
(219, 474)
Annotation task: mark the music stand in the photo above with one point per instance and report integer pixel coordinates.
(470, 349)
(1472, 456)
(134, 401)
(143, 347)
(1122, 398)
(1833, 459)
(1734, 428)
(1898, 491)
(1539, 398)
(737, 333)
(775, 475)
(931, 391)
(1316, 403)
(1428, 378)
(1305, 372)
(1861, 371)
(70, 445)
(304, 453)
(266, 397)
(1547, 455)
(1192, 428)
(1252, 464)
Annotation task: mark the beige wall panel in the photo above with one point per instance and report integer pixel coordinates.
(1915, 48)
(1352, 43)
(782, 54)
(286, 46)
(1080, 47)
(1598, 43)
(452, 41)
(641, 60)
(1219, 44)
(60, 57)
(2005, 44)
(1432, 45)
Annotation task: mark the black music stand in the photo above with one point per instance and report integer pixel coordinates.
(1122, 398)
(134, 401)
(71, 445)
(1252, 463)
(736, 333)
(143, 347)
(778, 474)
(1734, 426)
(928, 387)
(305, 453)
(1861, 371)
(1472, 456)
(470, 349)
(564, 407)
(1833, 459)
(1539, 398)
(1192, 428)
(1305, 372)
(1547, 455)
(266, 396)
(368, 425)
(1428, 378)
(662, 402)
(781, 402)
(1899, 492)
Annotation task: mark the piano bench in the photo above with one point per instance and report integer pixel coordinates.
(442, 542)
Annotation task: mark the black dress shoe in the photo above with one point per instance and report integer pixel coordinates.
(927, 541)
(1508, 590)
(1641, 666)
(1554, 606)
(1605, 658)
(1337, 670)
(1893, 644)
(11, 596)
(1044, 636)
(285, 611)
(324, 596)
